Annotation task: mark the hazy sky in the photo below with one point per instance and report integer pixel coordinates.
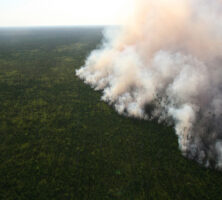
(61, 12)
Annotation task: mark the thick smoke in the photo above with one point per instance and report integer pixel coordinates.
(165, 64)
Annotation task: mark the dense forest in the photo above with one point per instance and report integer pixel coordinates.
(58, 140)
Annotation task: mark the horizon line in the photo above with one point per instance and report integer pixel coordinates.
(47, 26)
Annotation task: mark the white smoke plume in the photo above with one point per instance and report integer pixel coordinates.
(165, 63)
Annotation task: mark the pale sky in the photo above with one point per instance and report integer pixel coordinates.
(62, 12)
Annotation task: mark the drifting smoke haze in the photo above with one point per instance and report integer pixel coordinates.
(165, 64)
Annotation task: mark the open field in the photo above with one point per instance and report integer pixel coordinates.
(59, 141)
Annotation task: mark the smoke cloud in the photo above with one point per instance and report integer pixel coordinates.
(165, 63)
